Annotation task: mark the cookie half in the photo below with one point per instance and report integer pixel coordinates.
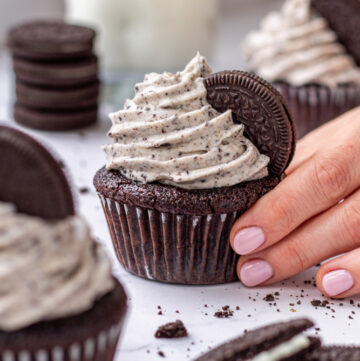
(335, 353)
(55, 119)
(31, 178)
(343, 17)
(261, 108)
(50, 40)
(277, 342)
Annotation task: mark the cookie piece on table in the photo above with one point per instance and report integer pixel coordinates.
(175, 329)
(50, 40)
(277, 342)
(31, 178)
(55, 119)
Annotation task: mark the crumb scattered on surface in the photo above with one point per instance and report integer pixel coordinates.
(161, 354)
(172, 330)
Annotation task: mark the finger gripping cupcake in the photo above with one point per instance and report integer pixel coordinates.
(58, 298)
(178, 173)
(296, 49)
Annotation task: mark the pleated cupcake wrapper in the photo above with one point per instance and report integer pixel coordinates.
(314, 105)
(172, 248)
(101, 347)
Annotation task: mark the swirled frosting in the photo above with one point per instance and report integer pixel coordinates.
(47, 270)
(296, 45)
(169, 133)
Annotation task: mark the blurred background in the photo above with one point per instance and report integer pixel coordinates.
(138, 36)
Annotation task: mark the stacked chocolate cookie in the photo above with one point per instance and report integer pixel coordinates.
(56, 71)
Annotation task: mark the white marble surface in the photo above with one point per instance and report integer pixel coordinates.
(81, 152)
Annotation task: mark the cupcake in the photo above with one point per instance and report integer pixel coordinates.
(296, 49)
(190, 153)
(58, 298)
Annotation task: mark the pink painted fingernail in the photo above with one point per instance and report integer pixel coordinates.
(248, 239)
(255, 272)
(337, 282)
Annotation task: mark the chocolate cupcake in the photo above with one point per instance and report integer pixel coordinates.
(58, 298)
(297, 50)
(191, 152)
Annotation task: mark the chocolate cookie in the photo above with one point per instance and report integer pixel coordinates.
(260, 107)
(58, 98)
(343, 18)
(50, 40)
(285, 339)
(31, 178)
(57, 73)
(55, 119)
(335, 353)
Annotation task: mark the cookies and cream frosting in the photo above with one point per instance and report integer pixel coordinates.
(296, 45)
(169, 133)
(48, 270)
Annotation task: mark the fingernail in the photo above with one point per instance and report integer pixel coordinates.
(255, 272)
(248, 239)
(337, 282)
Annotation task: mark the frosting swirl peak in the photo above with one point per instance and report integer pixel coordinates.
(169, 133)
(296, 45)
(47, 270)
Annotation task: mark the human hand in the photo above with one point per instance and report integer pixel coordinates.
(304, 221)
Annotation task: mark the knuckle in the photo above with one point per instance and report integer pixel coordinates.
(331, 178)
(283, 214)
(297, 259)
(351, 223)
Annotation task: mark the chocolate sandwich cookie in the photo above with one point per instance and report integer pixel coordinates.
(58, 98)
(57, 73)
(282, 341)
(261, 108)
(50, 40)
(343, 18)
(335, 353)
(31, 178)
(55, 119)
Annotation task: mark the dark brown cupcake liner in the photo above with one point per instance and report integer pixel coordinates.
(172, 248)
(101, 346)
(313, 105)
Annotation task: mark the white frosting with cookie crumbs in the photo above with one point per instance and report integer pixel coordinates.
(284, 350)
(296, 45)
(48, 270)
(169, 133)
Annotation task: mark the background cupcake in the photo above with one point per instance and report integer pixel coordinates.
(58, 298)
(297, 50)
(179, 172)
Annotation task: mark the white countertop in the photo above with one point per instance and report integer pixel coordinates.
(81, 152)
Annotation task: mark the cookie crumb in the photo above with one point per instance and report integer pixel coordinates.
(172, 330)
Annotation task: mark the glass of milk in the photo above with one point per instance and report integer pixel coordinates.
(148, 35)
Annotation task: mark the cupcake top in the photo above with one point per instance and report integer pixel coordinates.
(48, 270)
(297, 46)
(169, 133)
